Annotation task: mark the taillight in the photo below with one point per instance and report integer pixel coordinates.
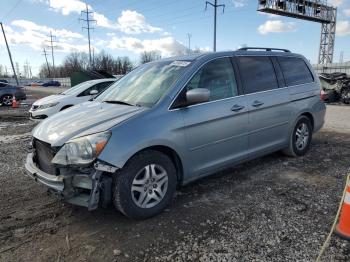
(323, 95)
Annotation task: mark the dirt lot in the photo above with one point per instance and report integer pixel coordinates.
(271, 209)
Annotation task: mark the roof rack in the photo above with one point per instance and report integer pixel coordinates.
(263, 48)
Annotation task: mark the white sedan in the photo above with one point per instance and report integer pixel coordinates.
(80, 93)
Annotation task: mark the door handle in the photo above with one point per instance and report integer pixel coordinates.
(257, 103)
(237, 108)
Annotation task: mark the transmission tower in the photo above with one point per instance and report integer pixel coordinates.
(310, 10)
(88, 20)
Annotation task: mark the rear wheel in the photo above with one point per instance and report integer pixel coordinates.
(145, 185)
(300, 139)
(6, 100)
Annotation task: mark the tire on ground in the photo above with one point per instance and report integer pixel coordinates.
(292, 149)
(123, 180)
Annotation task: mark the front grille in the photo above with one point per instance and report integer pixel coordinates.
(43, 156)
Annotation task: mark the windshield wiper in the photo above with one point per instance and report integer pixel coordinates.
(118, 102)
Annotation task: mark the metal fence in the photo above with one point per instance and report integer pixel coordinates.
(27, 81)
(331, 68)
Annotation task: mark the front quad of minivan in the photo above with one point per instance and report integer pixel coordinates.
(172, 121)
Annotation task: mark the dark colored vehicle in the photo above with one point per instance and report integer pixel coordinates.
(52, 83)
(8, 92)
(4, 81)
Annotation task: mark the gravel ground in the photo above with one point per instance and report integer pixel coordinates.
(274, 208)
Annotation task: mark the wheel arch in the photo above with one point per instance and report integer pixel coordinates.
(65, 107)
(311, 117)
(172, 154)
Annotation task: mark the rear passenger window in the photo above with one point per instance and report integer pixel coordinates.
(218, 77)
(295, 71)
(257, 73)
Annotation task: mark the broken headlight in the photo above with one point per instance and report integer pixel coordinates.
(82, 150)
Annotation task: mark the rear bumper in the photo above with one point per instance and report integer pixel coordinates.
(51, 181)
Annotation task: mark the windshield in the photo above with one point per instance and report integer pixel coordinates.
(77, 89)
(145, 85)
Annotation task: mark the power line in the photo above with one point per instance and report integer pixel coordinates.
(215, 5)
(12, 9)
(88, 20)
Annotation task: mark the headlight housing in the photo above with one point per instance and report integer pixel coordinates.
(48, 105)
(81, 151)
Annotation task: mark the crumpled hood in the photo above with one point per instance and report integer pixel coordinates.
(50, 99)
(83, 119)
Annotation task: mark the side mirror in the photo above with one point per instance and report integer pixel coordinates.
(197, 95)
(93, 92)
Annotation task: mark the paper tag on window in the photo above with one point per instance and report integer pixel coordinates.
(180, 63)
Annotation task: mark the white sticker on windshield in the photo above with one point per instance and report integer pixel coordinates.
(180, 63)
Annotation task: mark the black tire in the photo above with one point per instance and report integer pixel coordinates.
(124, 197)
(5, 100)
(293, 150)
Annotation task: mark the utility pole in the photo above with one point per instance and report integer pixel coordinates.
(189, 42)
(47, 63)
(341, 57)
(8, 50)
(51, 44)
(88, 20)
(215, 5)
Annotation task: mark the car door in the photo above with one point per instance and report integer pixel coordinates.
(216, 131)
(268, 104)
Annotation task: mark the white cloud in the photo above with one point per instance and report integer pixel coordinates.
(167, 46)
(347, 12)
(276, 26)
(132, 22)
(239, 3)
(336, 2)
(31, 26)
(24, 32)
(343, 28)
(67, 6)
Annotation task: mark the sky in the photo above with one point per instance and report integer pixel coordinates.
(129, 27)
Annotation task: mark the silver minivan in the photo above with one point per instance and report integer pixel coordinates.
(175, 120)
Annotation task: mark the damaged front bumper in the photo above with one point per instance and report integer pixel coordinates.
(88, 190)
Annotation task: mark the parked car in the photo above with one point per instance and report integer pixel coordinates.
(175, 120)
(36, 83)
(8, 92)
(336, 86)
(4, 81)
(52, 83)
(82, 92)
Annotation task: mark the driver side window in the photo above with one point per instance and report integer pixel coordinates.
(218, 77)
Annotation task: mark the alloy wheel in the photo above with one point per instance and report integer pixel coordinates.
(302, 136)
(149, 186)
(7, 100)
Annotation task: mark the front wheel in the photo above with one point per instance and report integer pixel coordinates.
(6, 100)
(300, 139)
(145, 185)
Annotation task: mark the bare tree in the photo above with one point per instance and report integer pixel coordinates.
(146, 57)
